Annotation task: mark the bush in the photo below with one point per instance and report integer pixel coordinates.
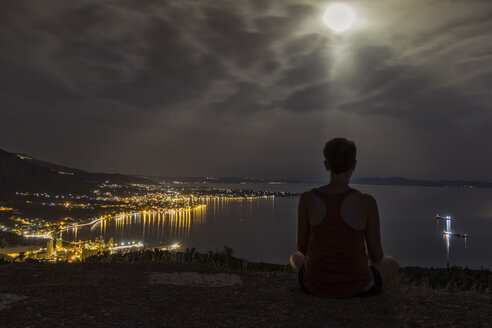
(454, 278)
(218, 259)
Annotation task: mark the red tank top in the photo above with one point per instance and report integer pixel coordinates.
(336, 263)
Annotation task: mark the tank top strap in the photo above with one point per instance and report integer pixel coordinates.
(333, 197)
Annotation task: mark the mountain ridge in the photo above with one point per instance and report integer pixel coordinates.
(21, 172)
(388, 181)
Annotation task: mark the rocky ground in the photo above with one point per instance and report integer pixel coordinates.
(154, 295)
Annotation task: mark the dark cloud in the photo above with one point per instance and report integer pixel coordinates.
(306, 69)
(84, 83)
(243, 101)
(171, 70)
(305, 43)
(31, 85)
(314, 97)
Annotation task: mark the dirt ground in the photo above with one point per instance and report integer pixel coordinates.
(130, 295)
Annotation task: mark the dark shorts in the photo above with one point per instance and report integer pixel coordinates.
(374, 290)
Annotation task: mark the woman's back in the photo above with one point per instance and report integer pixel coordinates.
(336, 260)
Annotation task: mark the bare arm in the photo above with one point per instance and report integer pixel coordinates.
(373, 232)
(303, 224)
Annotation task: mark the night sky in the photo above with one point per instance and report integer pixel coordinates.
(248, 88)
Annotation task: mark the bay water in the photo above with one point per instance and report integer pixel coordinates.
(265, 229)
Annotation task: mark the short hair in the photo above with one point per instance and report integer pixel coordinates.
(340, 154)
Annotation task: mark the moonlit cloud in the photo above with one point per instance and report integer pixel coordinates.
(247, 88)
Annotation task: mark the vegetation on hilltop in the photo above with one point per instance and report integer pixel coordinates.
(455, 278)
(218, 259)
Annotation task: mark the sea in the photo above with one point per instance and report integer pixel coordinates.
(265, 229)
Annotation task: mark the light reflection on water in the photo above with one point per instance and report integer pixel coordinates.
(265, 229)
(151, 228)
(447, 241)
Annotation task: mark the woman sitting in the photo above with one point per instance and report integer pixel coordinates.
(338, 237)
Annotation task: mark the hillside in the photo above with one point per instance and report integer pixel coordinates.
(19, 172)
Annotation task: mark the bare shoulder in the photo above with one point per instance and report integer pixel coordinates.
(307, 197)
(311, 200)
(307, 194)
(366, 201)
(368, 198)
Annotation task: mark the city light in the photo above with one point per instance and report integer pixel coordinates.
(152, 204)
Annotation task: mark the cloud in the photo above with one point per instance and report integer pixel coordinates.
(148, 73)
(314, 97)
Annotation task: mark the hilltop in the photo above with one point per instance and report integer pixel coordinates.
(196, 295)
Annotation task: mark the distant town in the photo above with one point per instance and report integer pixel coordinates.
(31, 222)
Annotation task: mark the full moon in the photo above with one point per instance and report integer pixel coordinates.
(339, 17)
